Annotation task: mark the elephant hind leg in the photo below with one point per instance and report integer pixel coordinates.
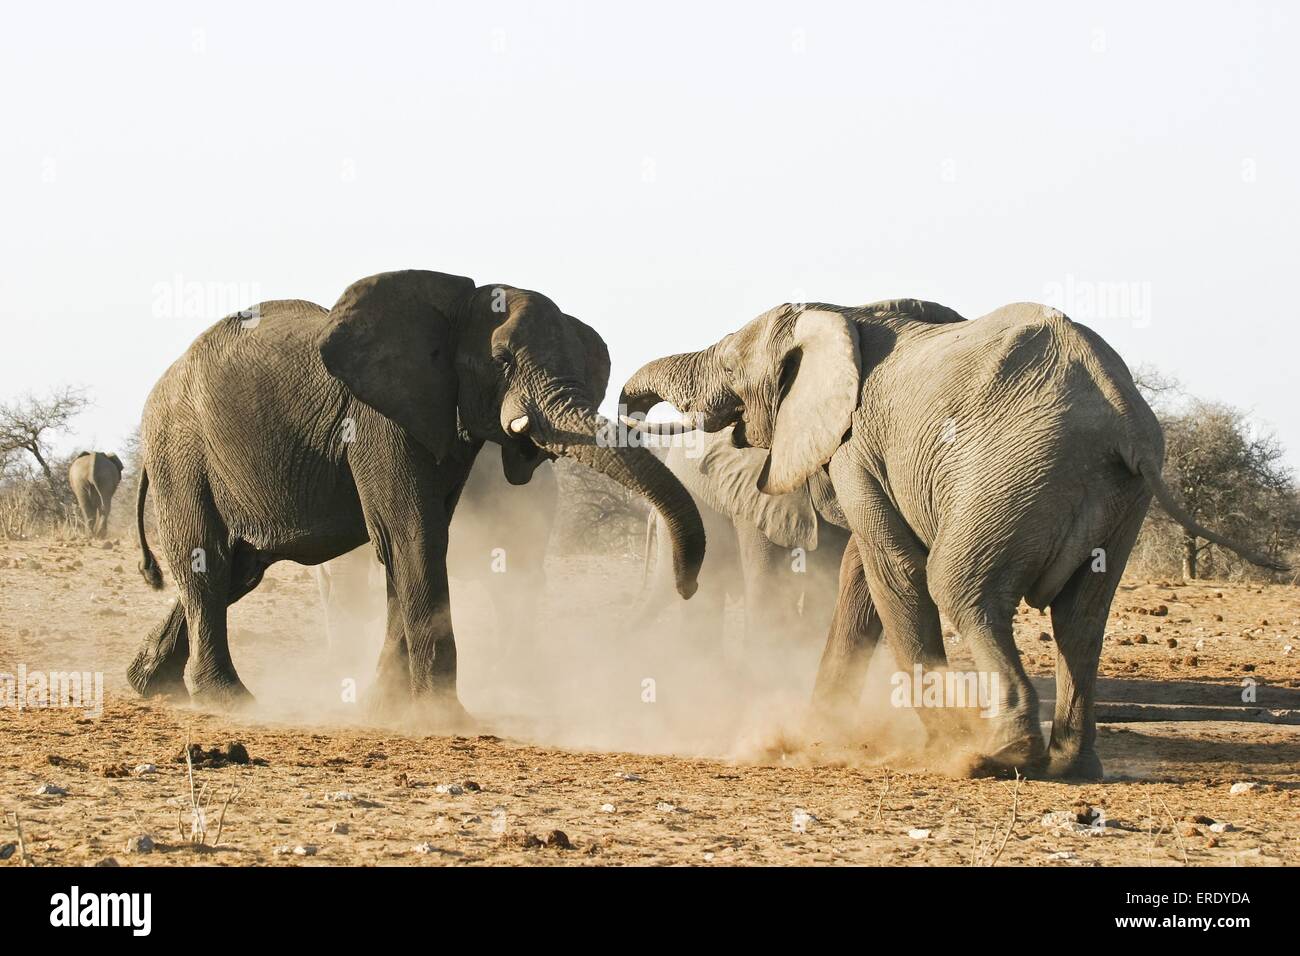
(159, 665)
(1079, 615)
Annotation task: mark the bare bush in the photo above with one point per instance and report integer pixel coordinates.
(597, 515)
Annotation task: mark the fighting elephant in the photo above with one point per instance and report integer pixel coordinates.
(498, 539)
(94, 477)
(977, 463)
(293, 432)
(778, 554)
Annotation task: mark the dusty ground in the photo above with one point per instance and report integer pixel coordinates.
(574, 730)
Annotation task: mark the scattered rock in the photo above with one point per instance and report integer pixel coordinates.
(144, 769)
(471, 786)
(424, 848)
(917, 833)
(1191, 660)
(1044, 636)
(50, 790)
(308, 849)
(801, 820)
(663, 806)
(558, 839)
(1140, 639)
(607, 808)
(451, 789)
(140, 844)
(340, 828)
(1211, 843)
(1171, 642)
(1221, 828)
(630, 777)
(1159, 610)
(7, 850)
(1237, 788)
(340, 796)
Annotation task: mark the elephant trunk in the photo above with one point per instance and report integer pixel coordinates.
(574, 434)
(672, 379)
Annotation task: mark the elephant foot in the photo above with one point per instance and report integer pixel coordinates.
(1024, 754)
(151, 678)
(1081, 765)
(442, 714)
(223, 698)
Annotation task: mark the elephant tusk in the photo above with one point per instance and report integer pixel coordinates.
(662, 428)
(519, 425)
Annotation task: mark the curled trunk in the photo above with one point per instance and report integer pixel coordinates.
(573, 435)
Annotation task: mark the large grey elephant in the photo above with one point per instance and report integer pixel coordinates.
(778, 554)
(498, 539)
(94, 477)
(977, 463)
(292, 432)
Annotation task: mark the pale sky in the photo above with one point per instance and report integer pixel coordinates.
(664, 171)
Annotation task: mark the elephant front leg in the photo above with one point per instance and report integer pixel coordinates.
(854, 633)
(421, 590)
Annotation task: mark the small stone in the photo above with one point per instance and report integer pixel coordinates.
(1211, 843)
(236, 752)
(1140, 639)
(1221, 828)
(1159, 610)
(50, 790)
(471, 786)
(341, 796)
(607, 808)
(424, 848)
(307, 849)
(664, 806)
(1044, 636)
(140, 844)
(144, 769)
(801, 820)
(1237, 788)
(7, 850)
(1191, 831)
(558, 839)
(108, 861)
(451, 789)
(630, 777)
(339, 828)
(918, 833)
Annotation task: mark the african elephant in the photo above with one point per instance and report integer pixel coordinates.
(779, 554)
(977, 463)
(293, 432)
(498, 539)
(94, 477)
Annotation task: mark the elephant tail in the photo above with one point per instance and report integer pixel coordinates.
(1150, 469)
(148, 563)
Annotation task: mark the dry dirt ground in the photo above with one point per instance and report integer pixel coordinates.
(596, 747)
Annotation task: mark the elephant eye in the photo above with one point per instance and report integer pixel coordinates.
(502, 357)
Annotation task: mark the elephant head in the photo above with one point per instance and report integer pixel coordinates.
(448, 362)
(789, 381)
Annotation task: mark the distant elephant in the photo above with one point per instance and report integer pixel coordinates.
(978, 463)
(293, 432)
(778, 554)
(94, 477)
(498, 538)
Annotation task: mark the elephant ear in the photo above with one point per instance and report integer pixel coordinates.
(391, 339)
(730, 485)
(117, 461)
(821, 377)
